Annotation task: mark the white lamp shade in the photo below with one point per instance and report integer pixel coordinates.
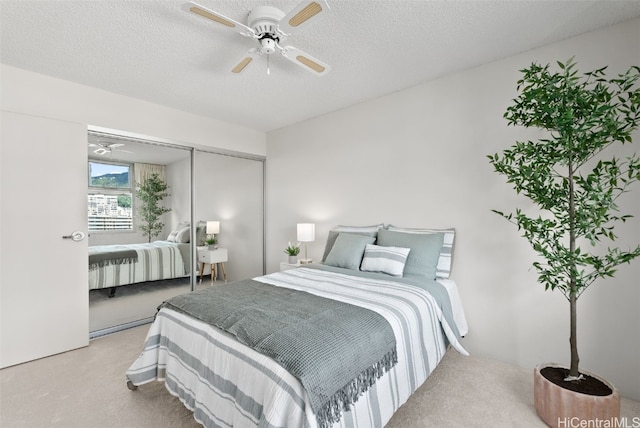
(213, 227)
(306, 232)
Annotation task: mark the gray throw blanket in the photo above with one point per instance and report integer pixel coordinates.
(335, 349)
(116, 257)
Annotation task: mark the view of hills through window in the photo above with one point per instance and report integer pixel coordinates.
(110, 202)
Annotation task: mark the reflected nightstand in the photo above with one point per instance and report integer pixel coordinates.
(212, 258)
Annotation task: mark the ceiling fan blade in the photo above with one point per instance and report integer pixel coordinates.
(209, 14)
(304, 11)
(305, 60)
(245, 61)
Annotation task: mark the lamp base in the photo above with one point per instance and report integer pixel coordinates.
(305, 261)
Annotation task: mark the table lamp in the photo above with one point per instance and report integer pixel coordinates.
(306, 233)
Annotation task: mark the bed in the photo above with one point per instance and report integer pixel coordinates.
(227, 382)
(112, 266)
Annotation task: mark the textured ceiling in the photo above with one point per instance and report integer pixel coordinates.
(155, 51)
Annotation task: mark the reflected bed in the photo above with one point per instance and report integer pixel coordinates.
(117, 265)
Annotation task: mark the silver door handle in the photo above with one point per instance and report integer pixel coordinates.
(75, 236)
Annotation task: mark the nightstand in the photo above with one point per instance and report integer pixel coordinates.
(212, 258)
(287, 266)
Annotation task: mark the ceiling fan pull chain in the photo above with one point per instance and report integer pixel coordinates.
(268, 71)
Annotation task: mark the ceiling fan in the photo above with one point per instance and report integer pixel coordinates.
(104, 148)
(270, 27)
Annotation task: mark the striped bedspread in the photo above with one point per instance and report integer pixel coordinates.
(156, 260)
(228, 384)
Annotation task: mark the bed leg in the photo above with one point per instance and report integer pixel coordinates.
(131, 386)
(112, 292)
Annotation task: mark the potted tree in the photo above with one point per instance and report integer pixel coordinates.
(150, 193)
(575, 192)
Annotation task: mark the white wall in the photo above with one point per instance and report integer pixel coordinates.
(418, 158)
(40, 95)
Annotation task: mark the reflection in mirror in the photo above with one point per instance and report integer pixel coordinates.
(229, 196)
(139, 211)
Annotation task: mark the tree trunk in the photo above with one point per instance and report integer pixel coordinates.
(573, 339)
(573, 292)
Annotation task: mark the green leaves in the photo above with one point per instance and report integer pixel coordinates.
(150, 193)
(582, 115)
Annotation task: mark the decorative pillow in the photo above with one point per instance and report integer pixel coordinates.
(425, 250)
(184, 235)
(347, 250)
(173, 236)
(445, 260)
(390, 260)
(333, 234)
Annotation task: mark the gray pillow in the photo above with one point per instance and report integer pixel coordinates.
(173, 236)
(446, 253)
(333, 234)
(424, 254)
(184, 235)
(347, 250)
(201, 233)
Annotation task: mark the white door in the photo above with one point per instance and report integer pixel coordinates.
(43, 277)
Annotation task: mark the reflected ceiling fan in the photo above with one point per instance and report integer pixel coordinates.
(104, 148)
(270, 27)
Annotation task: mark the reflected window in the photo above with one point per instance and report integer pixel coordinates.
(110, 199)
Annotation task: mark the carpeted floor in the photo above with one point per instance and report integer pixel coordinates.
(86, 388)
(133, 302)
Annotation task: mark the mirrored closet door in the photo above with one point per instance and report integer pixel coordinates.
(229, 196)
(139, 210)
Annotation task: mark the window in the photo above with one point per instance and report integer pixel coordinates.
(110, 203)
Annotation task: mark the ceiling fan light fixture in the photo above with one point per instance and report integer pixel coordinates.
(101, 151)
(268, 46)
(311, 10)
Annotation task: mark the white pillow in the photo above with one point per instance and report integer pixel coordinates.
(445, 260)
(390, 260)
